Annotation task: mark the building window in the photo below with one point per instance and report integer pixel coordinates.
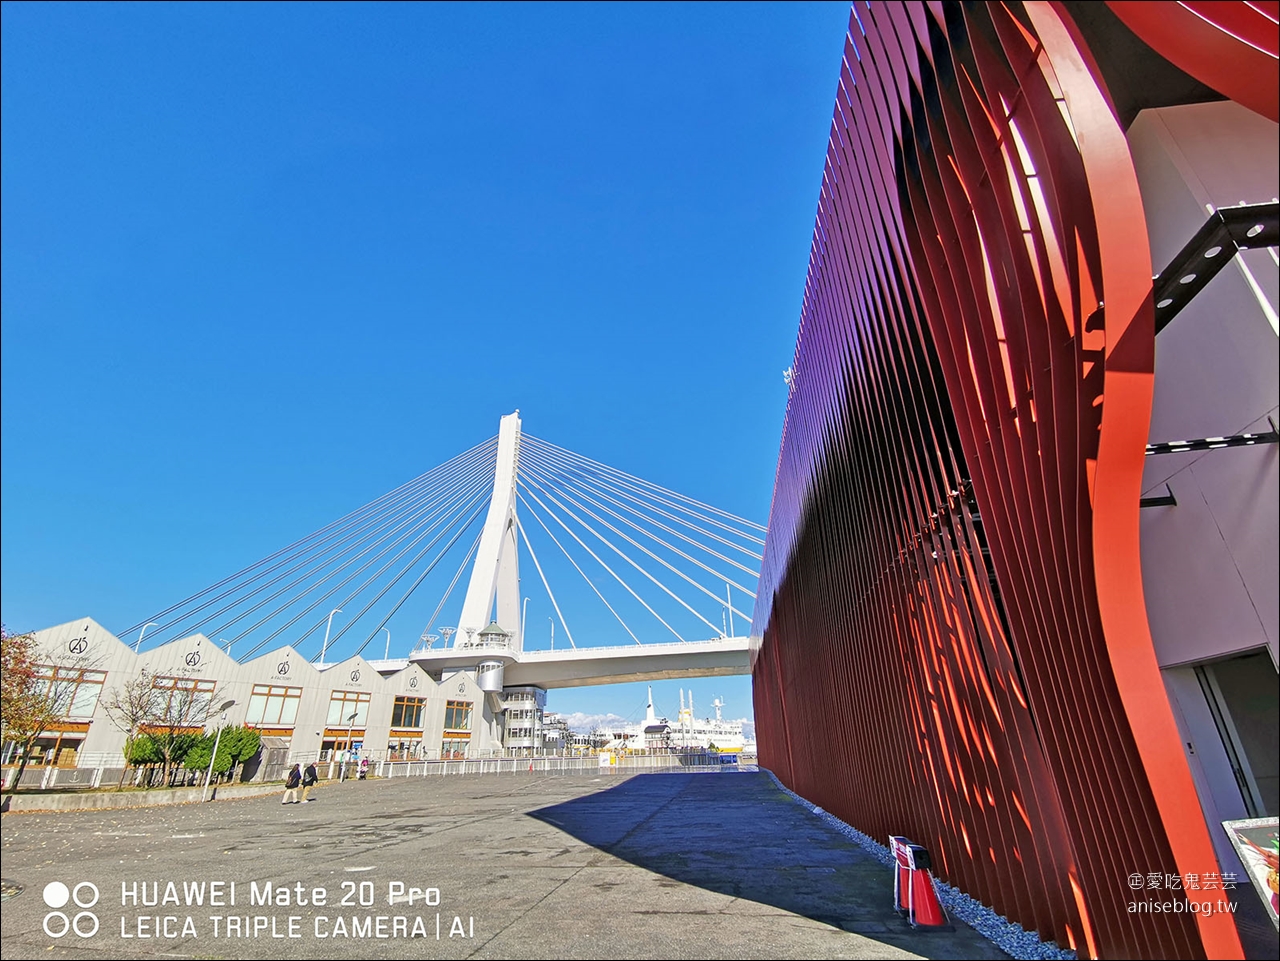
(344, 704)
(407, 712)
(74, 690)
(405, 749)
(184, 698)
(457, 716)
(1241, 692)
(271, 705)
(453, 748)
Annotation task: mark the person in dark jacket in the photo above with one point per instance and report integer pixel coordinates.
(309, 778)
(291, 783)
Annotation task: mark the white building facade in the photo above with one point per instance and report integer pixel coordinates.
(392, 710)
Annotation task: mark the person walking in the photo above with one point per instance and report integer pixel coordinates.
(291, 783)
(309, 778)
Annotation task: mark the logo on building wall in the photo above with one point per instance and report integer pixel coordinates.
(57, 922)
(413, 681)
(355, 676)
(282, 668)
(78, 645)
(193, 659)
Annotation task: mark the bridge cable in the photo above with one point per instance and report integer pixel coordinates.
(429, 522)
(585, 492)
(389, 534)
(421, 577)
(601, 482)
(225, 626)
(313, 550)
(390, 495)
(590, 583)
(616, 577)
(452, 584)
(353, 520)
(660, 560)
(480, 495)
(679, 600)
(641, 483)
(324, 563)
(550, 593)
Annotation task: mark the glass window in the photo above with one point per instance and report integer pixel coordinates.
(457, 716)
(73, 690)
(186, 700)
(84, 700)
(453, 749)
(271, 705)
(348, 709)
(407, 712)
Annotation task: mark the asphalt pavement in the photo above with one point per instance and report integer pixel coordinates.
(498, 866)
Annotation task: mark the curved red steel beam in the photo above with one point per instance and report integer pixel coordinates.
(1229, 45)
(954, 643)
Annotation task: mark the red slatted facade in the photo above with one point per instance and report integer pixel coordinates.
(953, 641)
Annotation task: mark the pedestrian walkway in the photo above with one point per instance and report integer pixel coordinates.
(649, 866)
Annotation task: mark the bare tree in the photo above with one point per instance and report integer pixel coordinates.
(36, 697)
(183, 707)
(133, 707)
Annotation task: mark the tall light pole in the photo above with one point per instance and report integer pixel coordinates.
(387, 653)
(325, 648)
(226, 706)
(143, 631)
(346, 755)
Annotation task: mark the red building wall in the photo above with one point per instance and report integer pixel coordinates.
(953, 639)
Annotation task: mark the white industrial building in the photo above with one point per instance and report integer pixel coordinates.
(391, 710)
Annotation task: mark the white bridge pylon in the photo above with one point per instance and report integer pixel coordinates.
(489, 637)
(496, 573)
(622, 561)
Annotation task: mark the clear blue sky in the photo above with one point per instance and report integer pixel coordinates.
(263, 263)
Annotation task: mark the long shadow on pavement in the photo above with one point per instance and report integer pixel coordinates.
(737, 834)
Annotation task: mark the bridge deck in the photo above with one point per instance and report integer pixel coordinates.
(583, 666)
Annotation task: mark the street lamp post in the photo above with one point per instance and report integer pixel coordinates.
(387, 653)
(325, 648)
(346, 755)
(227, 705)
(143, 631)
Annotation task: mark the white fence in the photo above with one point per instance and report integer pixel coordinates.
(554, 765)
(84, 777)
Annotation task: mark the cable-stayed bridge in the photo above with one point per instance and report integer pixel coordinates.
(632, 581)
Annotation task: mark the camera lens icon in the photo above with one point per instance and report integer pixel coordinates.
(57, 895)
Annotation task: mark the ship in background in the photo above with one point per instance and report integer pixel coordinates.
(658, 735)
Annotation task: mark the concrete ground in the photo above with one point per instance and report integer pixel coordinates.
(650, 866)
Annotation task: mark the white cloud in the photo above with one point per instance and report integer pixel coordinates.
(586, 723)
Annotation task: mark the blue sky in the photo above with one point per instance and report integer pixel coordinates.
(263, 263)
